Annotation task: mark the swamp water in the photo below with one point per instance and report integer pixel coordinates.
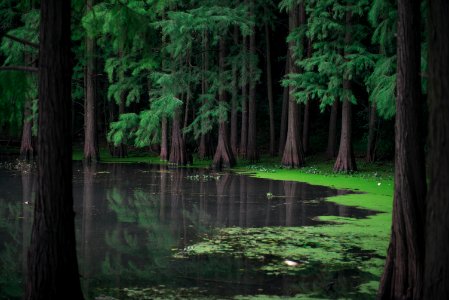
(133, 222)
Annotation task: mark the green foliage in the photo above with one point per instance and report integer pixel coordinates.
(336, 30)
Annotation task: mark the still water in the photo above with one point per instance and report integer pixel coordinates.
(132, 219)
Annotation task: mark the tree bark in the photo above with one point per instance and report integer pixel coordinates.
(293, 156)
(204, 149)
(178, 155)
(371, 146)
(270, 89)
(164, 140)
(251, 152)
(52, 262)
(332, 136)
(234, 134)
(345, 160)
(26, 146)
(437, 241)
(244, 129)
(223, 157)
(284, 115)
(91, 152)
(404, 267)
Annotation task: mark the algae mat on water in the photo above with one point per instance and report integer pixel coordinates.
(339, 244)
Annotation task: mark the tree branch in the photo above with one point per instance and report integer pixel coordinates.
(20, 68)
(22, 41)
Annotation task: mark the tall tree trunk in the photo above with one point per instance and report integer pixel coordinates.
(270, 88)
(52, 262)
(251, 151)
(223, 157)
(293, 152)
(26, 146)
(404, 267)
(331, 151)
(204, 149)
(371, 146)
(437, 241)
(178, 155)
(234, 134)
(164, 139)
(245, 78)
(91, 152)
(284, 115)
(345, 160)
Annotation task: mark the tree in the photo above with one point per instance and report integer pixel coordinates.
(251, 152)
(52, 262)
(293, 152)
(437, 243)
(404, 267)
(91, 152)
(223, 158)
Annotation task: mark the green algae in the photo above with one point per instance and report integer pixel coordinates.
(340, 244)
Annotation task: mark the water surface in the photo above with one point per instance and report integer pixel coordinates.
(131, 219)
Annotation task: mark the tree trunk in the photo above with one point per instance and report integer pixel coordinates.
(270, 89)
(404, 267)
(178, 155)
(52, 262)
(293, 152)
(122, 150)
(204, 149)
(345, 160)
(234, 143)
(91, 152)
(284, 115)
(251, 151)
(305, 128)
(437, 241)
(26, 146)
(245, 78)
(371, 147)
(223, 157)
(332, 136)
(164, 139)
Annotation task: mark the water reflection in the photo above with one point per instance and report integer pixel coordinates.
(131, 219)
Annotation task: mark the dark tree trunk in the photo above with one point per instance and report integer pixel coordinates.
(204, 149)
(164, 139)
(437, 241)
(293, 152)
(223, 157)
(251, 151)
(26, 146)
(284, 115)
(371, 146)
(404, 267)
(270, 89)
(305, 129)
(234, 134)
(245, 78)
(331, 151)
(91, 152)
(345, 160)
(52, 262)
(178, 155)
(122, 149)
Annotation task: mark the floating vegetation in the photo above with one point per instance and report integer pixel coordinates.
(203, 177)
(18, 165)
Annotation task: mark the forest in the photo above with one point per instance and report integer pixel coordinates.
(201, 149)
